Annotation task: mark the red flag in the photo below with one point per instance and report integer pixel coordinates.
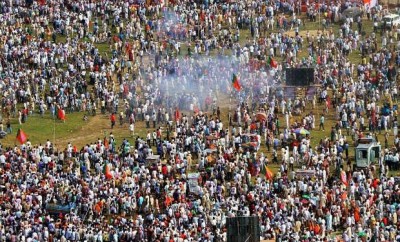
(235, 82)
(42, 2)
(343, 178)
(268, 173)
(357, 214)
(177, 114)
(61, 114)
(21, 136)
(272, 62)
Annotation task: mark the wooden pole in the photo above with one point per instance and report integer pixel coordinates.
(54, 129)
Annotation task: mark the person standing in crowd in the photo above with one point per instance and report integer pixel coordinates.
(322, 122)
(113, 119)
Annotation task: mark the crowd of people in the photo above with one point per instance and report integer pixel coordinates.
(170, 64)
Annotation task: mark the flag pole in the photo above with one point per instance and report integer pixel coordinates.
(54, 127)
(15, 143)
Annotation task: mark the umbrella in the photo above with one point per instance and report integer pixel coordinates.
(362, 234)
(261, 116)
(302, 131)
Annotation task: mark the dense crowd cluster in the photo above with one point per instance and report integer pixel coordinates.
(170, 64)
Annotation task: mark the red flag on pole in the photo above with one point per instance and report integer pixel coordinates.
(177, 114)
(235, 82)
(61, 114)
(21, 136)
(268, 173)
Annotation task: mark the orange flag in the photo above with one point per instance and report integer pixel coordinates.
(107, 172)
(106, 144)
(268, 173)
(98, 206)
(357, 215)
(168, 201)
(21, 136)
(344, 195)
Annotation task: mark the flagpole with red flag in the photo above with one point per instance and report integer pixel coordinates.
(235, 82)
(21, 136)
(177, 115)
(61, 114)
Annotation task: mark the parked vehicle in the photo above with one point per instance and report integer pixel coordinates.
(390, 21)
(367, 153)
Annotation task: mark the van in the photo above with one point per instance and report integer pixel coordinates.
(390, 20)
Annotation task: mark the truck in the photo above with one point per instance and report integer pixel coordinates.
(367, 153)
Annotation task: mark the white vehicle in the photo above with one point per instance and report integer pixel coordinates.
(390, 20)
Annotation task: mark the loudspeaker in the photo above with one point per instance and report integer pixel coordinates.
(299, 76)
(242, 229)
